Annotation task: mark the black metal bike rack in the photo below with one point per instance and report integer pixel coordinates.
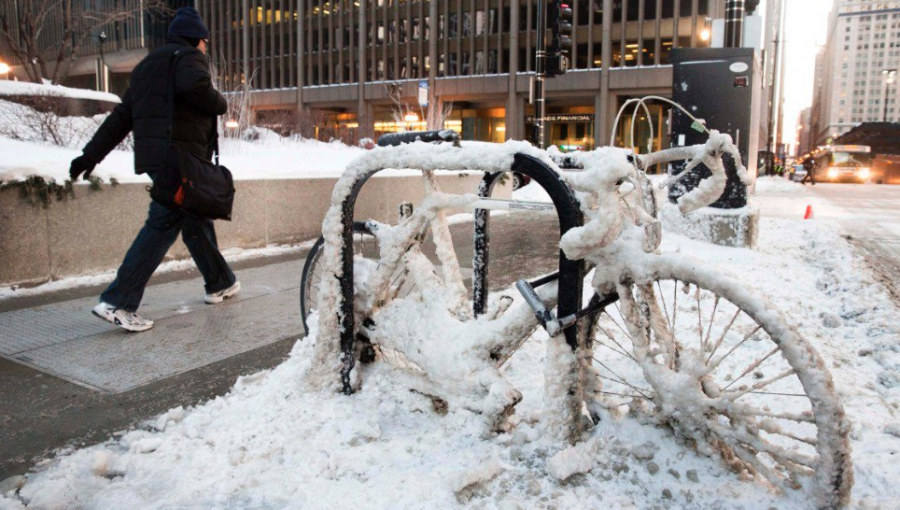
(571, 272)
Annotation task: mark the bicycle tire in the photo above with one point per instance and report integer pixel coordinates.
(764, 439)
(312, 258)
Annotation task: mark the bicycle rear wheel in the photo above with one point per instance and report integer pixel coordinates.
(726, 371)
(364, 245)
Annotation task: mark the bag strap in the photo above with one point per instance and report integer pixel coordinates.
(172, 61)
(215, 142)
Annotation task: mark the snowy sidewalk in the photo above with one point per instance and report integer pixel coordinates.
(65, 340)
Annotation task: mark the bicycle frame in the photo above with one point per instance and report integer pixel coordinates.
(571, 272)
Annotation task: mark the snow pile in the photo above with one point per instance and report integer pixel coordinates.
(275, 442)
(34, 143)
(771, 184)
(24, 88)
(23, 123)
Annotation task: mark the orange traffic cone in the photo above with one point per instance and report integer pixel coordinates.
(809, 213)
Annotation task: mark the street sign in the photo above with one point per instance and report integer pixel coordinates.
(423, 92)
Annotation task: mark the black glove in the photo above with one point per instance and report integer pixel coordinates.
(81, 165)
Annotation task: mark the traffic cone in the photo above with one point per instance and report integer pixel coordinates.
(809, 213)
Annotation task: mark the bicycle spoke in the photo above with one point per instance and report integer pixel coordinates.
(622, 379)
(804, 395)
(665, 309)
(620, 353)
(722, 336)
(736, 394)
(675, 307)
(753, 366)
(773, 428)
(716, 363)
(762, 446)
(747, 410)
(712, 320)
(699, 320)
(608, 335)
(617, 324)
(627, 395)
(753, 461)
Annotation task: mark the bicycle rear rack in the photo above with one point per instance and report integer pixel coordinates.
(570, 274)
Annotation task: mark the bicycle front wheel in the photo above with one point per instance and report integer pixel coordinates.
(726, 371)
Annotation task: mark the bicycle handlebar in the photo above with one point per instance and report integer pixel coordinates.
(710, 154)
(395, 139)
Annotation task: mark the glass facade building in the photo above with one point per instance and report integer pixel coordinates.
(350, 61)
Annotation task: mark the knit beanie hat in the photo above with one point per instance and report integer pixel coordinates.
(187, 23)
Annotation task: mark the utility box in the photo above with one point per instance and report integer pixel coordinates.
(723, 87)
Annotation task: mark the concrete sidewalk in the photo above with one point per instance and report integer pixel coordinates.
(64, 340)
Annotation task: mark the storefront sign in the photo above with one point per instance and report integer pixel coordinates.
(564, 118)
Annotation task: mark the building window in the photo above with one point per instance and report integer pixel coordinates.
(649, 9)
(634, 8)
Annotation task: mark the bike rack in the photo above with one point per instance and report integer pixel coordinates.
(571, 272)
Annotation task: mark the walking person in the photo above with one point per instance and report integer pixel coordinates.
(810, 165)
(188, 121)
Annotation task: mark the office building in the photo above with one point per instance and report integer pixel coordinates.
(856, 71)
(347, 62)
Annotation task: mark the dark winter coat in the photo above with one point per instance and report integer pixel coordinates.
(145, 109)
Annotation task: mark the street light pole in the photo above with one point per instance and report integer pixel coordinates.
(101, 74)
(889, 75)
(540, 67)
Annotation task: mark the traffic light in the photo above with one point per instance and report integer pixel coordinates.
(560, 51)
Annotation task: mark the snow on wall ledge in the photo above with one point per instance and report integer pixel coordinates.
(24, 88)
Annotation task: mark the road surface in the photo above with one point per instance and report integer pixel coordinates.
(868, 215)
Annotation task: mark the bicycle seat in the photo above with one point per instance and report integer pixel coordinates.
(395, 139)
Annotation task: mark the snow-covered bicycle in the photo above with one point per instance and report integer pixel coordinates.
(662, 336)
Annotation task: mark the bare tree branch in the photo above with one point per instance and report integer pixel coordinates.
(23, 32)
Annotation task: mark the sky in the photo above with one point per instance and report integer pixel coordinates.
(806, 29)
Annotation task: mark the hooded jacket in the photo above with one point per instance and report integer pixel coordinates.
(145, 109)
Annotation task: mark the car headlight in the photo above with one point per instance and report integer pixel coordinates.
(832, 173)
(863, 173)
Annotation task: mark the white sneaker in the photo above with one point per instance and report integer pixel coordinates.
(128, 321)
(217, 297)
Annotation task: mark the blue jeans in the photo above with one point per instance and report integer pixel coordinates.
(152, 244)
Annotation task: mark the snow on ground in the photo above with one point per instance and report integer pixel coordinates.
(268, 157)
(24, 88)
(772, 184)
(231, 255)
(274, 443)
(290, 159)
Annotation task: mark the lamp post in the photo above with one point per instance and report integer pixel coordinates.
(101, 75)
(889, 75)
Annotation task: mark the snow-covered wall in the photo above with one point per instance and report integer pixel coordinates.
(90, 233)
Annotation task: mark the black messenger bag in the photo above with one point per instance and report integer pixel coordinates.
(193, 185)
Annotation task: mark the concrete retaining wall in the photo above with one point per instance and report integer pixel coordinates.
(91, 233)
